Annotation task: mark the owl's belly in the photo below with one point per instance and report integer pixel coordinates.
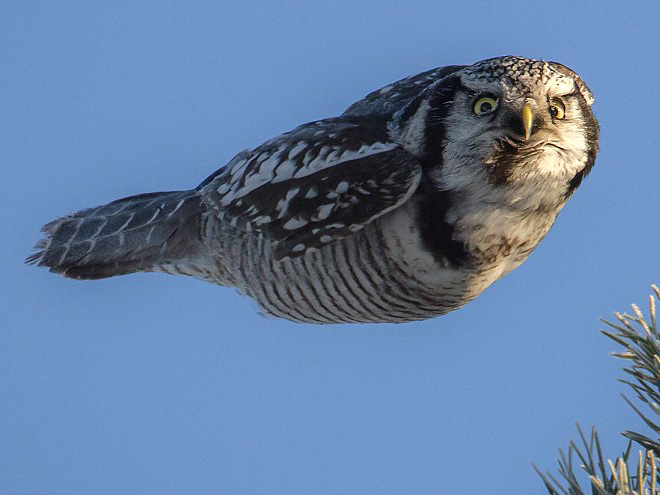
(382, 273)
(367, 277)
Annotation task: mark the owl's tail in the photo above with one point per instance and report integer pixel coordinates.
(126, 236)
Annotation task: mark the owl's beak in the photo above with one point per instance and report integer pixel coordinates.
(527, 120)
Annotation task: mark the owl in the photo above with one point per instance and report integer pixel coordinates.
(405, 207)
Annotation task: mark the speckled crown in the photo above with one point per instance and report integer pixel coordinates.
(520, 69)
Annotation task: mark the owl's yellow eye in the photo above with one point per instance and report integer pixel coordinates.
(557, 109)
(485, 105)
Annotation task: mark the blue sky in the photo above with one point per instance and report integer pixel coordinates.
(156, 384)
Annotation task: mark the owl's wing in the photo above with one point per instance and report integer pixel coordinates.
(314, 185)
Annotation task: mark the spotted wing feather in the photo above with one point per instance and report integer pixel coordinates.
(315, 185)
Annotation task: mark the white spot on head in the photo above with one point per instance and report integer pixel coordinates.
(298, 248)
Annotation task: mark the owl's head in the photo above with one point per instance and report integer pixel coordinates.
(511, 122)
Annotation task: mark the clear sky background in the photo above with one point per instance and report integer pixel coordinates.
(152, 384)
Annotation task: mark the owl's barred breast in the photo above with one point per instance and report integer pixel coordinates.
(384, 273)
(358, 279)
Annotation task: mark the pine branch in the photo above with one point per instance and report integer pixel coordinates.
(640, 340)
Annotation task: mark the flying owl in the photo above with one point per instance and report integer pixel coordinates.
(405, 207)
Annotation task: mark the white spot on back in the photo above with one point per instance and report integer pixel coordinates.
(263, 219)
(295, 223)
(342, 187)
(283, 204)
(329, 157)
(297, 149)
(324, 211)
(284, 171)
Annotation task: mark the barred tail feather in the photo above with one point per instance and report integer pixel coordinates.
(126, 236)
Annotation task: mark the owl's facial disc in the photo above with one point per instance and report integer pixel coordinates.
(528, 119)
(516, 132)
